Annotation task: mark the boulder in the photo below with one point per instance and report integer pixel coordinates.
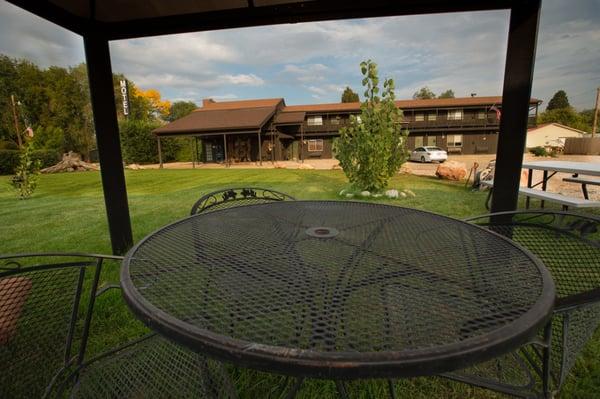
(365, 193)
(392, 193)
(451, 170)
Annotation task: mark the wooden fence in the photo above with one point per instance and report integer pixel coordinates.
(582, 145)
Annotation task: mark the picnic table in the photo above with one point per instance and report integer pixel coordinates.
(551, 168)
(337, 290)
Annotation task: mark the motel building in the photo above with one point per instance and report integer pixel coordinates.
(270, 130)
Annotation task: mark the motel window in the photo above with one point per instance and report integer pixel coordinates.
(315, 120)
(455, 114)
(455, 140)
(431, 141)
(335, 120)
(431, 117)
(480, 114)
(418, 141)
(315, 145)
(419, 117)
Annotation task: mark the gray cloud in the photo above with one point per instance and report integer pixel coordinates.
(464, 52)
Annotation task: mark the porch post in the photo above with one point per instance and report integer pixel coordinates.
(100, 78)
(195, 157)
(301, 149)
(518, 76)
(259, 149)
(160, 162)
(225, 148)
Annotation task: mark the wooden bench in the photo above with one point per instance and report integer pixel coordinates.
(584, 181)
(564, 200)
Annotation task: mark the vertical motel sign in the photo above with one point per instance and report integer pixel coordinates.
(125, 97)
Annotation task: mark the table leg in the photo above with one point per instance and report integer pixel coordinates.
(529, 184)
(585, 192)
(544, 182)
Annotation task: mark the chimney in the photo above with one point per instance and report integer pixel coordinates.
(206, 102)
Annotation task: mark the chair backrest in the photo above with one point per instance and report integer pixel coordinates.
(45, 311)
(232, 197)
(569, 245)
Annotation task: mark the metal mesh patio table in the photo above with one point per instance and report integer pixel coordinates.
(339, 290)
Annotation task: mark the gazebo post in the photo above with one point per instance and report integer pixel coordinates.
(160, 162)
(100, 78)
(518, 76)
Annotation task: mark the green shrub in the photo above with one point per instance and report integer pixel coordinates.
(9, 159)
(139, 143)
(372, 149)
(538, 151)
(8, 145)
(46, 157)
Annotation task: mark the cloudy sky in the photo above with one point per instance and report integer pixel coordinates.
(313, 62)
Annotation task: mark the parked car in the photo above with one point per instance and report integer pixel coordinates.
(428, 154)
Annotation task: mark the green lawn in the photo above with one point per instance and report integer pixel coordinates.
(67, 213)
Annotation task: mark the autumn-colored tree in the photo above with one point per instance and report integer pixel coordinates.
(159, 107)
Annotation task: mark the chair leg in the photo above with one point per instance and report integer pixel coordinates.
(546, 352)
(391, 389)
(341, 387)
(295, 388)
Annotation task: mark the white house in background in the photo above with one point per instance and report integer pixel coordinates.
(551, 135)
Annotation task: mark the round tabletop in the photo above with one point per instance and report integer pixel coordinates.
(337, 289)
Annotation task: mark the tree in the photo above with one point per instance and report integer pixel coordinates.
(447, 94)
(558, 101)
(139, 144)
(349, 96)
(179, 109)
(373, 147)
(424, 93)
(565, 116)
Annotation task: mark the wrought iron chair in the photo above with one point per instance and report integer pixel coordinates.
(569, 245)
(46, 307)
(232, 197)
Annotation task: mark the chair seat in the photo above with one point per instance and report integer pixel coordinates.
(152, 367)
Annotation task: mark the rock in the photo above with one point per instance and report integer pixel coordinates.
(349, 195)
(378, 195)
(365, 193)
(410, 192)
(336, 167)
(402, 194)
(342, 193)
(134, 166)
(451, 170)
(524, 176)
(305, 166)
(391, 193)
